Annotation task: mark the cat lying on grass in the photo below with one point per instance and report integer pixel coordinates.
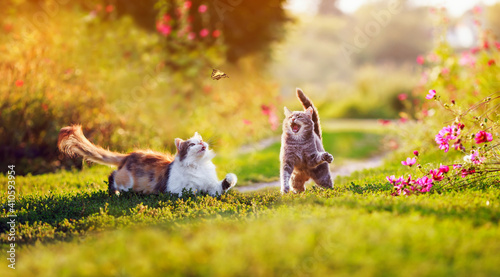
(151, 172)
(302, 155)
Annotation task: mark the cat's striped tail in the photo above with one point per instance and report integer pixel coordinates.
(71, 141)
(306, 103)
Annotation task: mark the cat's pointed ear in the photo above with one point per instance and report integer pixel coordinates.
(178, 142)
(287, 112)
(197, 136)
(309, 112)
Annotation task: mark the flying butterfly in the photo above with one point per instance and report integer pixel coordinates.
(217, 74)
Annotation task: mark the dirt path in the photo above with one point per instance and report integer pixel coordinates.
(343, 170)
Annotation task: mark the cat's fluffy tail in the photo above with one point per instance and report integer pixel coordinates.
(71, 141)
(306, 103)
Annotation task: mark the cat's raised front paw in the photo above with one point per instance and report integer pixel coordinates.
(327, 157)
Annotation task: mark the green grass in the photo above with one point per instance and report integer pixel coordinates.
(356, 229)
(67, 225)
(353, 230)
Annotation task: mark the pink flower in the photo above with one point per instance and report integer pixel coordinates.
(191, 36)
(247, 122)
(216, 33)
(165, 30)
(457, 166)
(477, 10)
(19, 83)
(420, 59)
(402, 96)
(447, 134)
(497, 44)
(432, 94)
(425, 184)
(415, 153)
(483, 136)
(409, 161)
(202, 8)
(204, 33)
(437, 175)
(187, 4)
(392, 179)
(445, 71)
(444, 169)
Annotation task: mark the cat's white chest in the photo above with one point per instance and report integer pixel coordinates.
(197, 178)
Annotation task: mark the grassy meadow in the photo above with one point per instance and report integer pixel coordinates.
(137, 75)
(356, 229)
(69, 226)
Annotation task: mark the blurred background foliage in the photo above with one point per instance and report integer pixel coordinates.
(94, 64)
(136, 74)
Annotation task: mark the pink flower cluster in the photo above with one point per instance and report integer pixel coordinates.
(406, 186)
(164, 26)
(447, 134)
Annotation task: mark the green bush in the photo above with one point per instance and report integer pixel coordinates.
(38, 96)
(104, 72)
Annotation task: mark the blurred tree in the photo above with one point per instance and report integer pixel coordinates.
(401, 36)
(493, 19)
(329, 7)
(245, 27)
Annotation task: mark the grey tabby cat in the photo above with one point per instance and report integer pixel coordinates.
(302, 154)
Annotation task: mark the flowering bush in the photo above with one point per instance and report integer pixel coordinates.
(463, 85)
(89, 66)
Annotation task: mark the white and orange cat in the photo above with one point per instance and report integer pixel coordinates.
(151, 172)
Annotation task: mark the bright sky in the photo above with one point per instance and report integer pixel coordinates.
(455, 7)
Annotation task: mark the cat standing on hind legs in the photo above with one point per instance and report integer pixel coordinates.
(151, 172)
(302, 155)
